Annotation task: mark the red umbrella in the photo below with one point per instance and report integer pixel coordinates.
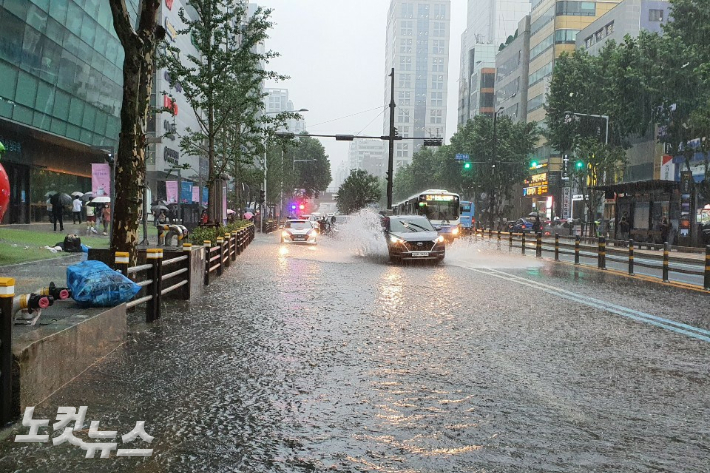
(248, 215)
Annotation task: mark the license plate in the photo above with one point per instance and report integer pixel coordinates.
(419, 254)
(299, 238)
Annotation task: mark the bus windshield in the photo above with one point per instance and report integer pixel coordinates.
(440, 210)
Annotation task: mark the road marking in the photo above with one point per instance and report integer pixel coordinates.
(678, 327)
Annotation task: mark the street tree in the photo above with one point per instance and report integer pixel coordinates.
(358, 191)
(221, 82)
(310, 165)
(139, 46)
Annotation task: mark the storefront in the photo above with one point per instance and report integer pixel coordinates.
(39, 163)
(537, 190)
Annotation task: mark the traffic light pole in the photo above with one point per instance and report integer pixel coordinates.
(263, 204)
(390, 160)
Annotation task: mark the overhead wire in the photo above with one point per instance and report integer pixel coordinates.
(347, 116)
(376, 117)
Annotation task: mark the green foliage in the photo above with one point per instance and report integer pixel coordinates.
(222, 83)
(358, 191)
(312, 166)
(200, 234)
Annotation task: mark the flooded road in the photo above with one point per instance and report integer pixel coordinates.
(328, 358)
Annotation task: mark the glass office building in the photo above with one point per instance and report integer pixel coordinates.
(60, 97)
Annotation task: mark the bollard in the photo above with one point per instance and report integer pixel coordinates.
(523, 245)
(631, 257)
(227, 248)
(154, 257)
(7, 294)
(498, 244)
(233, 246)
(220, 243)
(538, 245)
(187, 288)
(576, 249)
(207, 244)
(707, 268)
(666, 254)
(510, 241)
(490, 234)
(601, 253)
(120, 262)
(557, 247)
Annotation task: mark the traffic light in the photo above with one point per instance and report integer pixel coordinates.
(579, 164)
(467, 165)
(262, 196)
(533, 164)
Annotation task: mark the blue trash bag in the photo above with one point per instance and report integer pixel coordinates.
(84, 248)
(93, 283)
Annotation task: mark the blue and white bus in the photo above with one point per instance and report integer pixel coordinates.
(466, 216)
(440, 206)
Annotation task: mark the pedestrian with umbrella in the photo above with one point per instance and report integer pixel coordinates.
(57, 211)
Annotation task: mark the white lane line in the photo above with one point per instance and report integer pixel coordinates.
(678, 327)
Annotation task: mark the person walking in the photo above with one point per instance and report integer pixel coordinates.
(76, 210)
(105, 217)
(90, 219)
(665, 230)
(57, 212)
(537, 225)
(49, 210)
(624, 230)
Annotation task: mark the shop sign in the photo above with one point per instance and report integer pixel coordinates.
(171, 191)
(566, 202)
(685, 197)
(169, 4)
(170, 104)
(538, 185)
(171, 156)
(101, 179)
(170, 30)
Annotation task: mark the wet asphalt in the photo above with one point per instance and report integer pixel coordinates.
(329, 358)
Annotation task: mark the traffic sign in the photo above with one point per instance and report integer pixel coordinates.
(463, 157)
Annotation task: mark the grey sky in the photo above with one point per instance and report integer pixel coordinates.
(334, 52)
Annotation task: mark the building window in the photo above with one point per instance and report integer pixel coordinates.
(437, 99)
(435, 117)
(438, 47)
(407, 28)
(542, 20)
(407, 10)
(655, 15)
(437, 82)
(439, 29)
(568, 36)
(610, 28)
(437, 64)
(405, 63)
(536, 102)
(577, 8)
(542, 46)
(403, 116)
(440, 12)
(405, 81)
(402, 150)
(405, 46)
(405, 98)
(540, 74)
(423, 11)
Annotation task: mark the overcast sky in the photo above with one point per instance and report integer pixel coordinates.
(334, 52)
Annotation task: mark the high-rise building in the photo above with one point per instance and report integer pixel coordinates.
(511, 85)
(417, 47)
(277, 101)
(489, 24)
(369, 155)
(60, 97)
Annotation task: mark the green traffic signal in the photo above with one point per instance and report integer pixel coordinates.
(533, 164)
(579, 164)
(467, 165)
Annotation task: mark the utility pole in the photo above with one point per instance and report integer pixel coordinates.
(390, 162)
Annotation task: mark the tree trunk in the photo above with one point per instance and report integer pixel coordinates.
(139, 50)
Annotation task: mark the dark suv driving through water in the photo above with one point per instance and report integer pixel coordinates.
(412, 237)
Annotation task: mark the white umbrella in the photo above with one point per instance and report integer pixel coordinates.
(100, 200)
(230, 212)
(77, 194)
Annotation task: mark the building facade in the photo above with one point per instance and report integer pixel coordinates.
(511, 84)
(489, 24)
(277, 101)
(417, 47)
(60, 97)
(369, 155)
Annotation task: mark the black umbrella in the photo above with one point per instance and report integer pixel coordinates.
(65, 199)
(158, 208)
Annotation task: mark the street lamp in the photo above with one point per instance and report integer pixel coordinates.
(263, 205)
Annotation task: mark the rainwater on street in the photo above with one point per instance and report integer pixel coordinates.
(329, 358)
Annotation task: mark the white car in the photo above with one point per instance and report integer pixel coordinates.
(299, 231)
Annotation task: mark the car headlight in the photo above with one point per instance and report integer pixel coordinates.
(455, 231)
(439, 239)
(394, 239)
(286, 234)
